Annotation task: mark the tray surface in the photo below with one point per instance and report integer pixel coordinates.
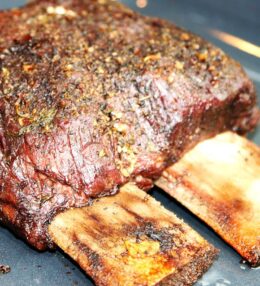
(236, 17)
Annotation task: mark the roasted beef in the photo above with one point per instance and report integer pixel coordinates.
(93, 95)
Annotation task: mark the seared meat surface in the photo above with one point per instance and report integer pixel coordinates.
(93, 95)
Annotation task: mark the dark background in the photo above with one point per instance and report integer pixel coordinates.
(240, 18)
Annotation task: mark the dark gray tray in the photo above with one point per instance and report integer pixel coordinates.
(237, 17)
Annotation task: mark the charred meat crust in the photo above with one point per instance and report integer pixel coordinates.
(93, 95)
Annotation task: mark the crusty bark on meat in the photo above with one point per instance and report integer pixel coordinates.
(93, 95)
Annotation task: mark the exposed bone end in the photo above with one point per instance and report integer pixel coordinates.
(219, 181)
(130, 239)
